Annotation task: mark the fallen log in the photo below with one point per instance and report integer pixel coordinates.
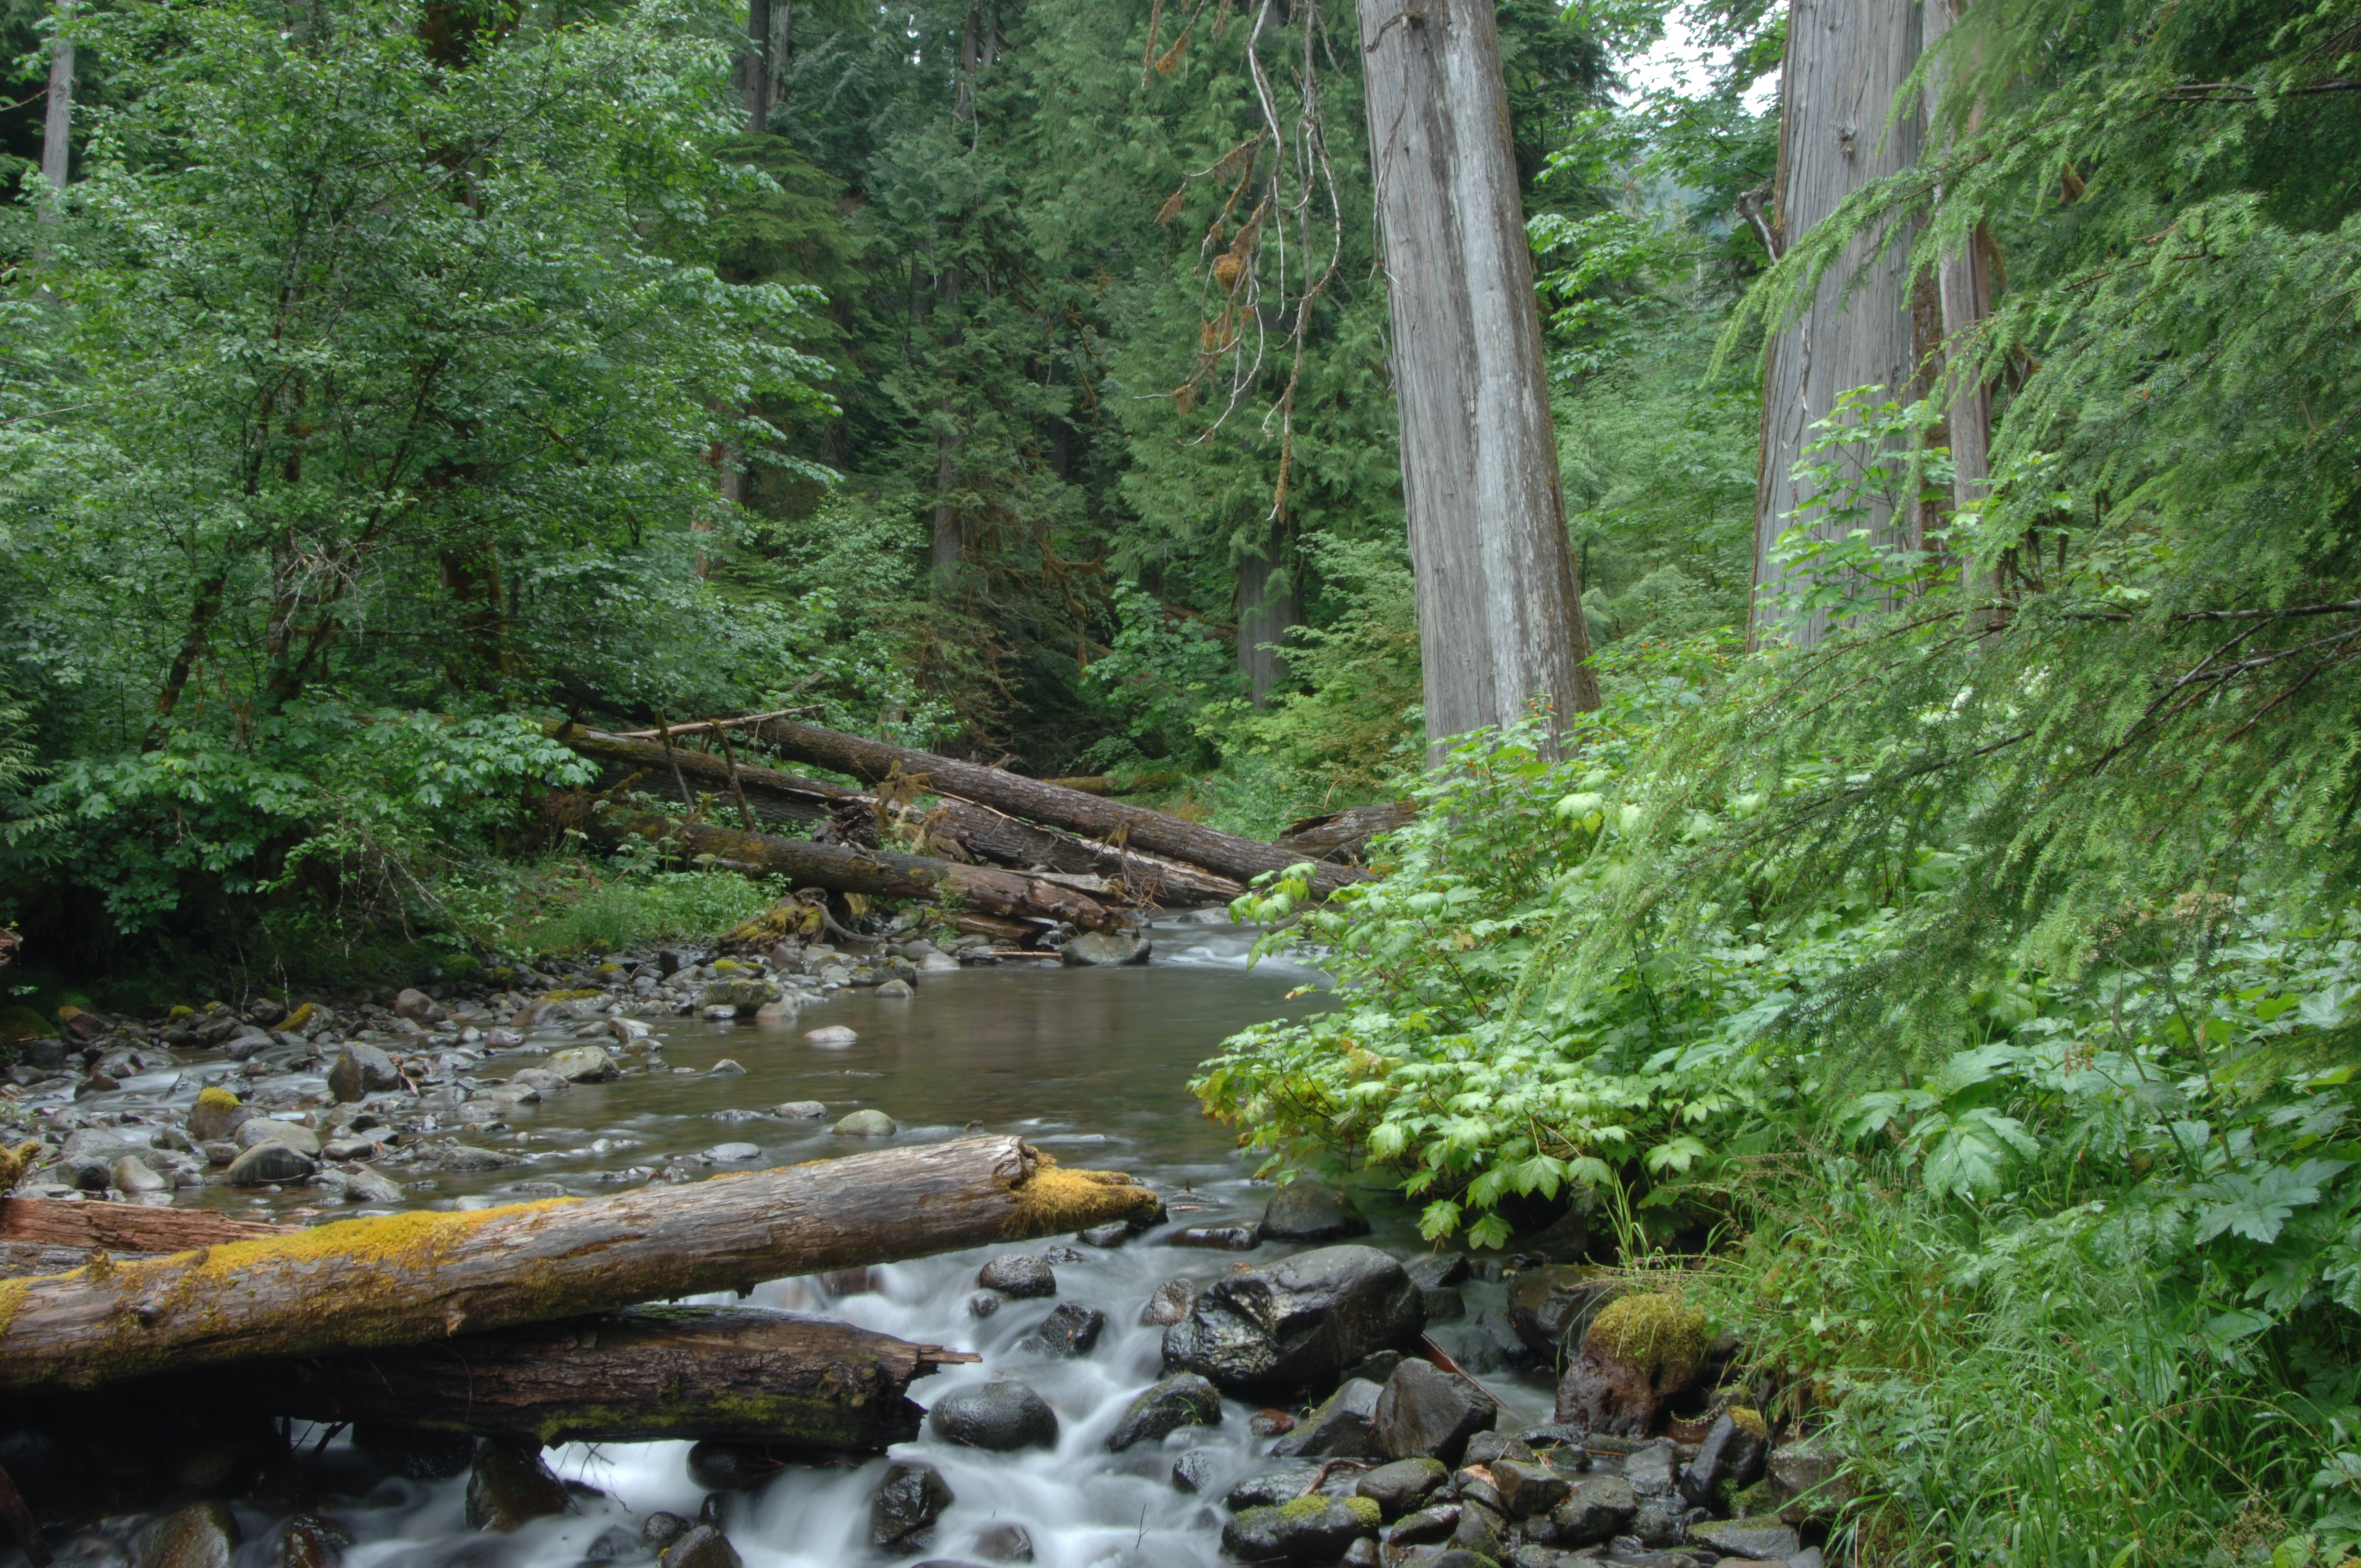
(419, 1277)
(643, 1375)
(1343, 834)
(1116, 821)
(874, 873)
(121, 1227)
(978, 832)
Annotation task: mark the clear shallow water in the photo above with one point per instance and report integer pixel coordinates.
(1090, 1064)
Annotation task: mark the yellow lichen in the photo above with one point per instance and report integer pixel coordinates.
(213, 1097)
(180, 1012)
(1751, 1422)
(1653, 1333)
(296, 1022)
(12, 1293)
(16, 1162)
(727, 966)
(580, 994)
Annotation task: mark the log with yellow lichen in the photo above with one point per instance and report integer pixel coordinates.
(413, 1278)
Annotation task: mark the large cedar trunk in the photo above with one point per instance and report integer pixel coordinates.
(1846, 61)
(1114, 821)
(419, 1277)
(1500, 604)
(1266, 614)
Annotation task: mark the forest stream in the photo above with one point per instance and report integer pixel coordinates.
(1090, 1064)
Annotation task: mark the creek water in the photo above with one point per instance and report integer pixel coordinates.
(1092, 1064)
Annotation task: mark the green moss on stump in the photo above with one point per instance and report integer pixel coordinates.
(1652, 1333)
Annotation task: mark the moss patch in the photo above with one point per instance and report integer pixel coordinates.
(296, 1023)
(1054, 1200)
(1751, 1422)
(582, 993)
(213, 1097)
(1652, 1333)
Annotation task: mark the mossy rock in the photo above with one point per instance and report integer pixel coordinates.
(180, 1014)
(580, 993)
(20, 1024)
(1653, 1333)
(727, 966)
(611, 967)
(296, 1023)
(459, 966)
(214, 1097)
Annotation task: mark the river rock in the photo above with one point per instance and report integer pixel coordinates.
(1403, 1486)
(310, 1541)
(702, 1547)
(1099, 949)
(537, 1081)
(1811, 1472)
(1068, 1333)
(1313, 1531)
(132, 1175)
(468, 1157)
(300, 1138)
(363, 1185)
(1169, 1303)
(1297, 1323)
(659, 1529)
(999, 1415)
(732, 1154)
(1763, 1540)
(1426, 1412)
(1019, 1274)
(1653, 1468)
(584, 1064)
(896, 990)
(1550, 1306)
(866, 1124)
(1006, 1541)
(509, 1484)
(267, 1163)
(1183, 1399)
(1194, 1471)
(725, 1066)
(417, 1006)
(217, 1115)
(902, 1514)
(1729, 1459)
(799, 1111)
(834, 1034)
(1339, 1428)
(361, 1071)
(742, 997)
(201, 1535)
(1527, 1488)
(1596, 1509)
(1309, 1212)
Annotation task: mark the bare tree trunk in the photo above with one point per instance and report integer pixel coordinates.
(1846, 61)
(1500, 603)
(418, 1278)
(1965, 281)
(1264, 620)
(57, 125)
(758, 67)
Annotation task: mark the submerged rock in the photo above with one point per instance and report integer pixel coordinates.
(1099, 949)
(1339, 1428)
(1298, 1323)
(702, 1547)
(361, 1071)
(201, 1535)
(903, 1512)
(1068, 1333)
(866, 1124)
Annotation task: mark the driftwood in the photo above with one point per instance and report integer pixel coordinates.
(121, 1227)
(877, 873)
(638, 1376)
(963, 829)
(419, 1276)
(1133, 827)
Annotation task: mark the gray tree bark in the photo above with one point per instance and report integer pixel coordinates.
(1965, 281)
(759, 74)
(57, 124)
(1265, 616)
(1499, 605)
(1846, 61)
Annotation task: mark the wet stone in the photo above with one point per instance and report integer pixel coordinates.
(1597, 1509)
(201, 1535)
(1105, 1236)
(296, 1137)
(1339, 1428)
(1215, 1238)
(732, 1154)
(801, 1111)
(1730, 1458)
(1006, 1541)
(1184, 1399)
(1312, 1531)
(1430, 1412)
(1297, 1323)
(902, 1514)
(866, 1124)
(1068, 1333)
(268, 1163)
(510, 1485)
(1019, 1274)
(584, 1064)
(1194, 1471)
(702, 1547)
(362, 1070)
(1309, 1212)
(308, 1541)
(661, 1529)
(1745, 1538)
(1401, 1486)
(1169, 1303)
(1268, 1489)
(1527, 1488)
(1000, 1416)
(613, 1544)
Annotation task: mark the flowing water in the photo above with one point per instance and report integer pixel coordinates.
(1092, 1064)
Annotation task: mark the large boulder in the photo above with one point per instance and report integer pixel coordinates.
(1309, 1211)
(1001, 1417)
(1183, 1399)
(361, 1071)
(1550, 1307)
(1428, 1413)
(1639, 1351)
(902, 1514)
(1314, 1531)
(1298, 1323)
(1403, 1486)
(217, 1115)
(295, 1135)
(509, 1486)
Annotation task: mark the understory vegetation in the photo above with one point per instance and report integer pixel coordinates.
(1964, 1006)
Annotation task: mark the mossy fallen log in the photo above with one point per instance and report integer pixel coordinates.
(653, 1373)
(419, 1276)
